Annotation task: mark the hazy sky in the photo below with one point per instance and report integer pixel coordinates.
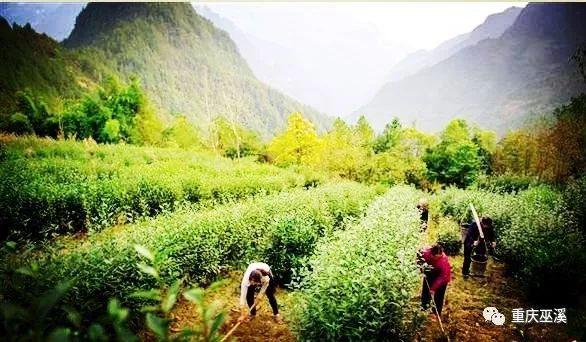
(335, 56)
(417, 25)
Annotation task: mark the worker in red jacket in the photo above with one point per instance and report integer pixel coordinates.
(437, 272)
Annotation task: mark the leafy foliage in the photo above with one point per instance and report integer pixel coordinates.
(449, 235)
(455, 159)
(165, 297)
(50, 187)
(360, 283)
(46, 318)
(33, 63)
(299, 144)
(195, 245)
(537, 235)
(551, 150)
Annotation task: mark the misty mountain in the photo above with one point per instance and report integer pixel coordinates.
(497, 83)
(54, 19)
(330, 66)
(40, 64)
(493, 27)
(187, 65)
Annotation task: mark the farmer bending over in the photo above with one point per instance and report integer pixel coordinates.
(473, 241)
(258, 276)
(437, 272)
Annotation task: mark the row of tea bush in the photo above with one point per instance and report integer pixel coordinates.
(280, 229)
(360, 284)
(538, 235)
(50, 187)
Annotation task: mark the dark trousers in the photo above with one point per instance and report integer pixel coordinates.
(467, 260)
(468, 256)
(438, 296)
(270, 293)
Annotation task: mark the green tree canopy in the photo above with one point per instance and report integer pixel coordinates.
(455, 159)
(389, 137)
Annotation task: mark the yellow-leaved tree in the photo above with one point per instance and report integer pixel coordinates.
(298, 145)
(346, 150)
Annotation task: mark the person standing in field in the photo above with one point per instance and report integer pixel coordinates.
(423, 207)
(473, 241)
(437, 273)
(258, 277)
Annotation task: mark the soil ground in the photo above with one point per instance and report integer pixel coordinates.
(462, 318)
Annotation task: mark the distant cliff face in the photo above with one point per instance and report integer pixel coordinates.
(497, 83)
(493, 27)
(54, 19)
(187, 65)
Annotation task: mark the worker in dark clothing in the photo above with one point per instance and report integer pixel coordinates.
(437, 271)
(423, 207)
(473, 241)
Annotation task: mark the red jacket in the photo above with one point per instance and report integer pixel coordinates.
(442, 271)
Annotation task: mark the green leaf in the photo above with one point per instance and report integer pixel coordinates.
(158, 325)
(11, 244)
(97, 333)
(59, 335)
(145, 252)
(144, 268)
(171, 297)
(50, 298)
(73, 315)
(116, 311)
(152, 294)
(217, 323)
(26, 271)
(194, 295)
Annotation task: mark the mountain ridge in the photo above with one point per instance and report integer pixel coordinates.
(482, 82)
(493, 26)
(187, 66)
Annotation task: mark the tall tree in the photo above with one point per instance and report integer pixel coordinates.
(299, 144)
(455, 159)
(364, 132)
(389, 137)
(183, 134)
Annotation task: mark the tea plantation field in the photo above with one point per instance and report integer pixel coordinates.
(113, 242)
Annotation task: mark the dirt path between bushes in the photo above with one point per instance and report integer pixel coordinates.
(466, 299)
(462, 314)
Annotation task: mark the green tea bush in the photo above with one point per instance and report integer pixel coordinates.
(449, 235)
(359, 285)
(544, 245)
(505, 183)
(199, 244)
(455, 203)
(574, 195)
(537, 235)
(292, 242)
(52, 187)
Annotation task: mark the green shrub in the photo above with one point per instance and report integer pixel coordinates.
(505, 183)
(197, 244)
(292, 242)
(360, 284)
(574, 195)
(537, 235)
(449, 235)
(52, 187)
